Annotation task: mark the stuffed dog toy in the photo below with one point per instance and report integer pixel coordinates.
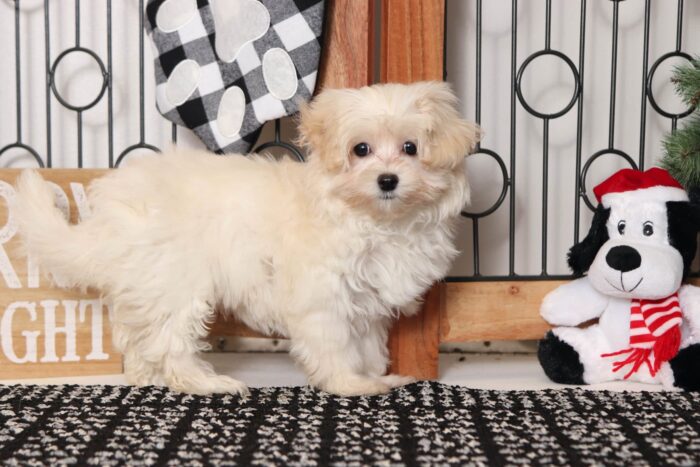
(638, 252)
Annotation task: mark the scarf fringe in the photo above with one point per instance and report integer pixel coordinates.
(666, 346)
(637, 357)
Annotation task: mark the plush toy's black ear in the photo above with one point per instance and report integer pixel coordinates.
(683, 228)
(694, 195)
(582, 254)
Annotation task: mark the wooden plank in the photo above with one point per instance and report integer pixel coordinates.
(504, 310)
(478, 311)
(412, 39)
(226, 325)
(413, 34)
(46, 331)
(414, 341)
(348, 44)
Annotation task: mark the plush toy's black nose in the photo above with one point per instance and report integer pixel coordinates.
(388, 182)
(623, 258)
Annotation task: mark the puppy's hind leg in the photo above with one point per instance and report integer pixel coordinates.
(162, 347)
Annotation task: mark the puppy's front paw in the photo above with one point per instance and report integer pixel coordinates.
(395, 381)
(226, 384)
(355, 385)
(211, 385)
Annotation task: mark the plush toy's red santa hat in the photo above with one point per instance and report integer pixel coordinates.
(634, 185)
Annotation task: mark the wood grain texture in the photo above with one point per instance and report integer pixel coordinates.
(412, 39)
(414, 341)
(508, 310)
(478, 311)
(347, 56)
(413, 34)
(226, 325)
(45, 331)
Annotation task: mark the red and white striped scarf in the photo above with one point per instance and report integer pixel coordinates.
(654, 328)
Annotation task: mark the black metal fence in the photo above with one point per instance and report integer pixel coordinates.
(506, 165)
(115, 156)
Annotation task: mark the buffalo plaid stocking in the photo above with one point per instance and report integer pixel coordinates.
(225, 67)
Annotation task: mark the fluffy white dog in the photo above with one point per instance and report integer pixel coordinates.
(325, 253)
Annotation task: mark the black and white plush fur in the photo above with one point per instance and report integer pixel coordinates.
(635, 249)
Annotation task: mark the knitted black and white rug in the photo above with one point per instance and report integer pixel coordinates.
(424, 423)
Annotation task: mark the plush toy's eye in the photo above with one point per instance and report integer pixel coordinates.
(621, 227)
(648, 230)
(361, 149)
(410, 148)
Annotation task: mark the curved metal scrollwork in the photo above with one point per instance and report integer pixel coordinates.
(134, 147)
(650, 78)
(504, 190)
(587, 166)
(278, 143)
(52, 79)
(577, 84)
(25, 147)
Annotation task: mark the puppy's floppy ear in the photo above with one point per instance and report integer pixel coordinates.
(451, 137)
(582, 255)
(316, 122)
(683, 228)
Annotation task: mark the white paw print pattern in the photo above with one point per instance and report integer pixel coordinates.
(224, 68)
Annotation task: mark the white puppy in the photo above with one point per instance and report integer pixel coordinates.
(325, 253)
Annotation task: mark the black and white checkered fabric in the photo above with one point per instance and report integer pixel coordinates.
(295, 26)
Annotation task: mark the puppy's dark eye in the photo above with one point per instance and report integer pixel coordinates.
(621, 227)
(361, 149)
(648, 229)
(410, 148)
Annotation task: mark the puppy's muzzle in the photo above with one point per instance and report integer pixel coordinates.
(623, 258)
(387, 182)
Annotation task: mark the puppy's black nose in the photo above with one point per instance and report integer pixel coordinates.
(623, 258)
(388, 182)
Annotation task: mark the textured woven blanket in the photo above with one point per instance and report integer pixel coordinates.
(421, 424)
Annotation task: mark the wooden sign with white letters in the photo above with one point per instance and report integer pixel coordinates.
(46, 331)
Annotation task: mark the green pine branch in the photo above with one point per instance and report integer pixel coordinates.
(682, 148)
(687, 81)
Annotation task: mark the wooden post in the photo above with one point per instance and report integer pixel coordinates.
(413, 33)
(414, 341)
(413, 36)
(348, 53)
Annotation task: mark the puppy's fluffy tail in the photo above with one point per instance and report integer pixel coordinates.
(58, 247)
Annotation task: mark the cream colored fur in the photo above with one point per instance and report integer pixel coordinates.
(310, 251)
